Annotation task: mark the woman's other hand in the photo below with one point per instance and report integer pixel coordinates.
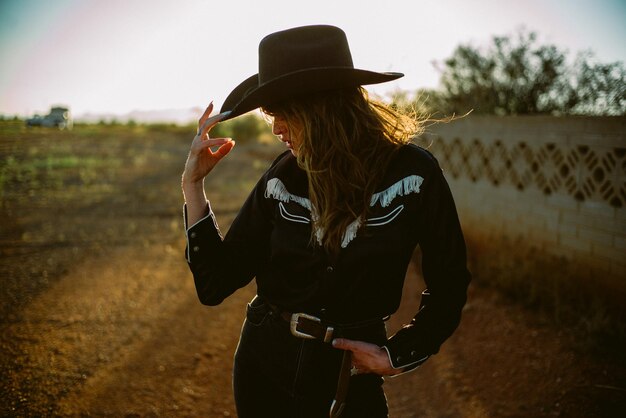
(366, 357)
(202, 159)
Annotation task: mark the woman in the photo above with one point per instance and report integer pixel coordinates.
(328, 232)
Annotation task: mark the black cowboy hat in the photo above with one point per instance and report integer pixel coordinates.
(296, 62)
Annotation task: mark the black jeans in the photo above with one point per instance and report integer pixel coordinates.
(279, 375)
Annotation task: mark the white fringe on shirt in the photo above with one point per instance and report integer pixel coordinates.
(276, 189)
(407, 185)
(350, 232)
(411, 184)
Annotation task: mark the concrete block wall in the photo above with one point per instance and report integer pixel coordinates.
(539, 193)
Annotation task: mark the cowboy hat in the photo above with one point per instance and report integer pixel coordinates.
(297, 62)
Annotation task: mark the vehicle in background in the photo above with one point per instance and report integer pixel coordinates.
(59, 117)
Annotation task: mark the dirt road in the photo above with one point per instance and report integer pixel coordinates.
(100, 317)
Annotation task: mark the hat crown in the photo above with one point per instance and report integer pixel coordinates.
(298, 62)
(303, 48)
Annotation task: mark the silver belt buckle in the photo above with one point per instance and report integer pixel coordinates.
(295, 318)
(293, 325)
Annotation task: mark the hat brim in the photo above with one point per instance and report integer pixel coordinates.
(249, 95)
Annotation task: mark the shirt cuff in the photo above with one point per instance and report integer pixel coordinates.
(190, 231)
(410, 363)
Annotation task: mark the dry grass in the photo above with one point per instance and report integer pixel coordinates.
(566, 294)
(67, 194)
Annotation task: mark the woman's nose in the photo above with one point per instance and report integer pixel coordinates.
(275, 129)
(278, 127)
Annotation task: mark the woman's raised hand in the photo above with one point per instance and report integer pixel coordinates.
(202, 159)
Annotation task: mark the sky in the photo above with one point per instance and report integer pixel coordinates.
(118, 56)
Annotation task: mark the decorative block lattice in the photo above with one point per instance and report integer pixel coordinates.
(580, 171)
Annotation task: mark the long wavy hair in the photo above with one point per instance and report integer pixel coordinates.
(346, 142)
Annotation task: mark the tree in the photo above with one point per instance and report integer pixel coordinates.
(516, 76)
(600, 88)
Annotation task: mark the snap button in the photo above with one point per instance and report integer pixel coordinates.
(413, 353)
(399, 359)
(196, 249)
(330, 269)
(192, 235)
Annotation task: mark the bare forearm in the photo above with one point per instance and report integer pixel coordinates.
(195, 200)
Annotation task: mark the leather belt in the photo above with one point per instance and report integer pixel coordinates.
(307, 326)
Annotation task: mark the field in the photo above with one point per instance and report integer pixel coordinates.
(100, 317)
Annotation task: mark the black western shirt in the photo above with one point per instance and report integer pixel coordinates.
(270, 239)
